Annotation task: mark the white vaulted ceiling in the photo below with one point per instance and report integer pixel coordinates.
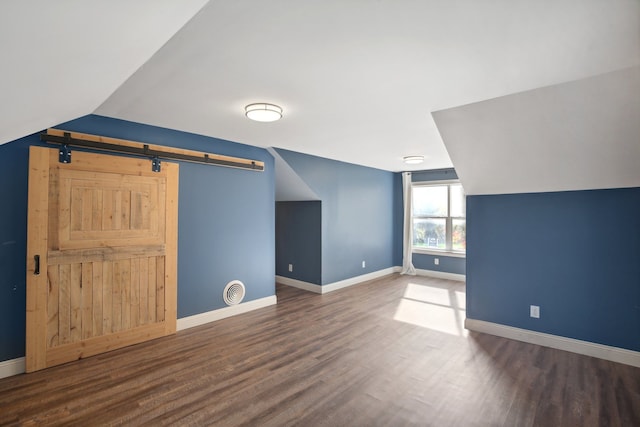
(573, 136)
(62, 59)
(358, 79)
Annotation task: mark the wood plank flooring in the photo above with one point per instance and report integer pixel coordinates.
(390, 352)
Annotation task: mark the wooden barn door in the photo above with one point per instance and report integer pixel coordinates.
(101, 255)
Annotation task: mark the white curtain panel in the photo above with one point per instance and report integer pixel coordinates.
(407, 234)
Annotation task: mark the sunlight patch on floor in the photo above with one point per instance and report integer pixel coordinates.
(433, 307)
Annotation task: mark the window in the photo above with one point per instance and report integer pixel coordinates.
(439, 221)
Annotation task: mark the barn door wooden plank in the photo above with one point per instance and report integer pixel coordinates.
(97, 292)
(107, 296)
(53, 322)
(152, 288)
(64, 304)
(125, 283)
(86, 290)
(37, 237)
(116, 300)
(160, 281)
(96, 209)
(75, 304)
(171, 245)
(135, 292)
(144, 290)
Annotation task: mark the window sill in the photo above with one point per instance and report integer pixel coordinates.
(439, 252)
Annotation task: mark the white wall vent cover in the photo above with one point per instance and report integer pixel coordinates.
(233, 292)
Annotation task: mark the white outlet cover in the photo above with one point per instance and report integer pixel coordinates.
(534, 311)
(436, 261)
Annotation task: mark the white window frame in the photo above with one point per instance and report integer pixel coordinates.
(448, 251)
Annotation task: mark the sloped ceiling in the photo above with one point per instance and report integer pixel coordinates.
(573, 136)
(62, 59)
(358, 80)
(289, 186)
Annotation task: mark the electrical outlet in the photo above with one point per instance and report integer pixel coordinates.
(290, 267)
(436, 261)
(364, 264)
(534, 311)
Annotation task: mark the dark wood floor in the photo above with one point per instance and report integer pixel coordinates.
(390, 352)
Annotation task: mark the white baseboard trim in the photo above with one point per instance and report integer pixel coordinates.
(356, 280)
(12, 367)
(441, 275)
(311, 287)
(223, 313)
(613, 354)
(323, 289)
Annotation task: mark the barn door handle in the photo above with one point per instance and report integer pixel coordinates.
(36, 270)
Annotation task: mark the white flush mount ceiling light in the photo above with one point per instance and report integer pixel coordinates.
(413, 160)
(263, 112)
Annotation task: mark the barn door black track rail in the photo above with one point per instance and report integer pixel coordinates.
(145, 150)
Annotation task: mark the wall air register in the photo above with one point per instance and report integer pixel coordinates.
(233, 292)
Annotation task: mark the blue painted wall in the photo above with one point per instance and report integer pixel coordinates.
(226, 223)
(447, 264)
(299, 240)
(357, 214)
(574, 254)
(14, 170)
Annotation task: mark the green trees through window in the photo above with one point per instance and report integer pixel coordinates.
(438, 215)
